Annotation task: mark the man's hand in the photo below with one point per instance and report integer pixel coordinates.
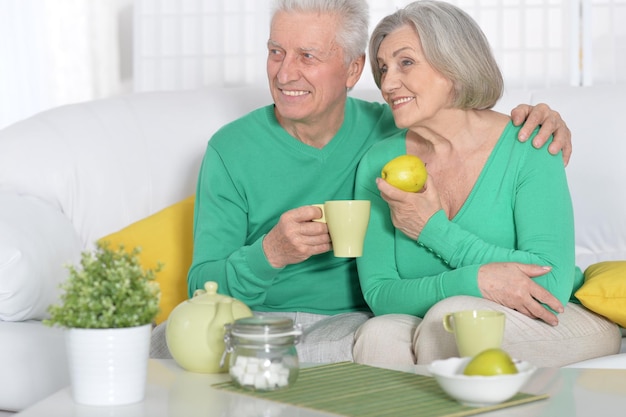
(296, 237)
(510, 284)
(551, 124)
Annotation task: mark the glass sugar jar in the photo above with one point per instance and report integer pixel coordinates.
(263, 354)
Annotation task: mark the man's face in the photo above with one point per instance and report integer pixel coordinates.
(305, 67)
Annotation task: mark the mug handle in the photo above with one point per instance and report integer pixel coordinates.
(323, 218)
(447, 323)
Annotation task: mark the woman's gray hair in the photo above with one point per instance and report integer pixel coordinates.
(453, 44)
(353, 33)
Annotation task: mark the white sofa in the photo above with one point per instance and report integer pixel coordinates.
(71, 175)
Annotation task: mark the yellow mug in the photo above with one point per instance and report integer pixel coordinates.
(475, 330)
(347, 222)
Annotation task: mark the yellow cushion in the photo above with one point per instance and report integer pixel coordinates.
(604, 290)
(166, 237)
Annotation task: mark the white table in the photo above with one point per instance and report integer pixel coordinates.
(173, 392)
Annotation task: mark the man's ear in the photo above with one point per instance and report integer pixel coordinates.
(355, 69)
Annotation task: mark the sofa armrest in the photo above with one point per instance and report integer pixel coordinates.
(36, 242)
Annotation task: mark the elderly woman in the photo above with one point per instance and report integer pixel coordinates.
(493, 226)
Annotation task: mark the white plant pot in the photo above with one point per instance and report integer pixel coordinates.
(108, 366)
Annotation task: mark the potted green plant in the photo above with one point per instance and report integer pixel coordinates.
(107, 306)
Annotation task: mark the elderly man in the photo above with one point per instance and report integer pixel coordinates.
(253, 228)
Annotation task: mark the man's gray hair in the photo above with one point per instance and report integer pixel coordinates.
(453, 44)
(353, 33)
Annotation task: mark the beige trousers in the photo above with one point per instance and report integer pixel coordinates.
(400, 339)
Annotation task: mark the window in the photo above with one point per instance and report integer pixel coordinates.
(538, 43)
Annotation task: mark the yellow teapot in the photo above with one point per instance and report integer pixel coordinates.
(195, 329)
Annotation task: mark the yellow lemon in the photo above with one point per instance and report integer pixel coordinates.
(406, 172)
(490, 362)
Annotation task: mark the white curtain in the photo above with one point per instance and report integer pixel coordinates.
(55, 52)
(538, 43)
(192, 43)
(198, 43)
(605, 52)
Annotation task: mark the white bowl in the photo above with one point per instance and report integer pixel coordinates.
(478, 391)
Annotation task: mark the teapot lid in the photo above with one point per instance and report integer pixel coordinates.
(209, 295)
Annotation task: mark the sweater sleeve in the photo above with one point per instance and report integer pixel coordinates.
(384, 289)
(221, 253)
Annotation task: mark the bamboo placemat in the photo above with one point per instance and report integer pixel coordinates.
(355, 390)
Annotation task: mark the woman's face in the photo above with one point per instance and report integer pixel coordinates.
(415, 91)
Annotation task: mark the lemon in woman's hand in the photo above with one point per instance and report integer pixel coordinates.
(490, 362)
(406, 172)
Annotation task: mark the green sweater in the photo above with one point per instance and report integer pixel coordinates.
(252, 172)
(519, 210)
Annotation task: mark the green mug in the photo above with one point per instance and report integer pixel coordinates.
(475, 330)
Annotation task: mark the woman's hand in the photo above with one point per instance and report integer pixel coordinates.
(410, 211)
(510, 284)
(551, 124)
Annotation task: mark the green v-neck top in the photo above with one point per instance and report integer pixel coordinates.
(519, 210)
(252, 172)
